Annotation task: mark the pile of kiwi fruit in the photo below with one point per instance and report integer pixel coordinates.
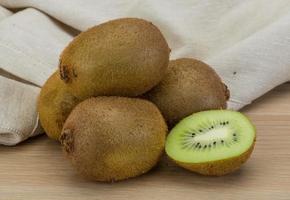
(117, 103)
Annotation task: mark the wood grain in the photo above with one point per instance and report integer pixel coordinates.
(37, 168)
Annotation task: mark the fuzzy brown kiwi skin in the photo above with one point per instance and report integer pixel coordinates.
(189, 86)
(110, 139)
(219, 167)
(55, 103)
(122, 57)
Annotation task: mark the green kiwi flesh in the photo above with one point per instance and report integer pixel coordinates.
(212, 142)
(122, 57)
(114, 138)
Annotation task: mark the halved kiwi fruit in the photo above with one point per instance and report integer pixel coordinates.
(212, 142)
(114, 138)
(122, 57)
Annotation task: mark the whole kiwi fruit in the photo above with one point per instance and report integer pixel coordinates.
(189, 86)
(114, 138)
(122, 57)
(55, 103)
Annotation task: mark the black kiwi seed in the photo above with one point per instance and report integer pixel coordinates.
(200, 130)
(214, 143)
(205, 146)
(222, 141)
(234, 134)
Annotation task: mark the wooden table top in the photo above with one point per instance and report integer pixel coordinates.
(37, 169)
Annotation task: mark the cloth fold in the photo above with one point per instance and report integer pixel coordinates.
(18, 116)
(246, 42)
(4, 13)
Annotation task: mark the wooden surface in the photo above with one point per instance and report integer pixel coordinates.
(38, 170)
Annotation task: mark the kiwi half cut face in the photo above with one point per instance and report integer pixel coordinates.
(212, 142)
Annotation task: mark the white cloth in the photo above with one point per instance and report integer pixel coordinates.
(247, 42)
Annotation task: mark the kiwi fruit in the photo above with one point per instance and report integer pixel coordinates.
(55, 103)
(189, 86)
(114, 138)
(215, 142)
(122, 57)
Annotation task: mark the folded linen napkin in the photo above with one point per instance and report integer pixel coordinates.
(247, 42)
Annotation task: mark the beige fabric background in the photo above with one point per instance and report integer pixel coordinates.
(247, 42)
